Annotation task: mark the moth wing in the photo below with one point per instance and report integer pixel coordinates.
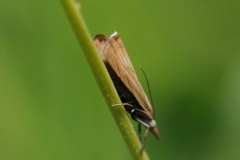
(113, 52)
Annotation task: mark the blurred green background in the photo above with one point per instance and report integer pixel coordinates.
(52, 108)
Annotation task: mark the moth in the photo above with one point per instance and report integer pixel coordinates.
(129, 89)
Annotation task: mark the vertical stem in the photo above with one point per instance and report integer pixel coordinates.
(103, 79)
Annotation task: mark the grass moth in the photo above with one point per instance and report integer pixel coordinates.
(130, 91)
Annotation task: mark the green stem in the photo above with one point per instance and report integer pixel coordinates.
(103, 79)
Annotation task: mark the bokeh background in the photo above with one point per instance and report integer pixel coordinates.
(52, 108)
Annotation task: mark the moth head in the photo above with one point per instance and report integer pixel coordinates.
(152, 123)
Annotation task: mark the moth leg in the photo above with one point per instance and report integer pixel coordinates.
(122, 104)
(144, 139)
(139, 132)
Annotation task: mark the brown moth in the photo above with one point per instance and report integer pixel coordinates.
(130, 91)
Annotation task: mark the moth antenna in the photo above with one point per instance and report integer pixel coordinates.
(149, 90)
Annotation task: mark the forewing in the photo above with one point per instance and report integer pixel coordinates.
(113, 52)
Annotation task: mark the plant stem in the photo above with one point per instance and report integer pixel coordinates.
(103, 79)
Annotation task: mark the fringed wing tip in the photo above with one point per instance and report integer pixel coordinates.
(103, 38)
(115, 35)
